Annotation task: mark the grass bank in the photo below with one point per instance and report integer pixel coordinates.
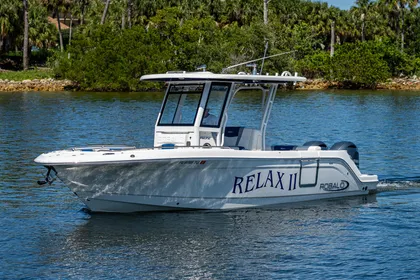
(36, 74)
(33, 80)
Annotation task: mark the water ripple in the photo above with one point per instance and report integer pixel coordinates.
(44, 232)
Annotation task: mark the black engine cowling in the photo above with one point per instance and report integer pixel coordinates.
(351, 149)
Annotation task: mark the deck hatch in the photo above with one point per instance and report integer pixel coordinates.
(308, 173)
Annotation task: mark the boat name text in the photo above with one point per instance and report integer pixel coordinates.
(273, 179)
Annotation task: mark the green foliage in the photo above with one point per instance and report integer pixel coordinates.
(360, 65)
(26, 75)
(40, 57)
(416, 66)
(317, 65)
(241, 43)
(10, 25)
(41, 33)
(111, 60)
(399, 63)
(105, 59)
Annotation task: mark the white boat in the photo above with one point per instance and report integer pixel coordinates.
(198, 162)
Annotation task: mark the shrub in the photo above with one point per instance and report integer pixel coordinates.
(109, 60)
(399, 63)
(359, 65)
(416, 66)
(317, 65)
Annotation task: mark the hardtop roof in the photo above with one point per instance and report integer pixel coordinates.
(234, 78)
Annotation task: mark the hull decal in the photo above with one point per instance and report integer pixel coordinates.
(273, 179)
(335, 187)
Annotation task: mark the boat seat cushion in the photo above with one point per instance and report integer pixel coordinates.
(233, 136)
(242, 137)
(283, 147)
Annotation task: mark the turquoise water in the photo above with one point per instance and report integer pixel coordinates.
(44, 232)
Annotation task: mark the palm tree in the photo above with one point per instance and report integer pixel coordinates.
(25, 35)
(105, 12)
(241, 11)
(403, 4)
(129, 11)
(9, 21)
(147, 8)
(362, 12)
(41, 33)
(397, 10)
(80, 9)
(55, 6)
(118, 14)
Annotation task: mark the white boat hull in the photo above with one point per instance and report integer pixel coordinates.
(214, 182)
(134, 203)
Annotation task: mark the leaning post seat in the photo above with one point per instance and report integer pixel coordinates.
(244, 138)
(233, 136)
(283, 147)
(316, 143)
(311, 145)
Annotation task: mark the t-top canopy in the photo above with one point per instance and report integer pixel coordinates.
(209, 76)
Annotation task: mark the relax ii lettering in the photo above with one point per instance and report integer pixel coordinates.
(273, 179)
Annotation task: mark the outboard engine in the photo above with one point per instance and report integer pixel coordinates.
(351, 149)
(316, 143)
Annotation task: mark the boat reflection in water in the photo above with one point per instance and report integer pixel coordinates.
(192, 243)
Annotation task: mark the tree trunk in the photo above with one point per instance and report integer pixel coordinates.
(70, 32)
(60, 35)
(71, 28)
(363, 27)
(1, 44)
(332, 38)
(82, 13)
(25, 36)
(402, 41)
(363, 31)
(123, 20)
(402, 30)
(265, 39)
(266, 11)
(129, 7)
(105, 12)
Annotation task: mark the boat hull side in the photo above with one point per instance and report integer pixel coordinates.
(211, 184)
(130, 204)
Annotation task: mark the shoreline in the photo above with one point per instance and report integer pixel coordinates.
(390, 84)
(36, 85)
(51, 84)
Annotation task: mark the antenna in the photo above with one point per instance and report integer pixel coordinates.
(255, 60)
(265, 53)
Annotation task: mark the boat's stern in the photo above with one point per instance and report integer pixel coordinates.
(369, 182)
